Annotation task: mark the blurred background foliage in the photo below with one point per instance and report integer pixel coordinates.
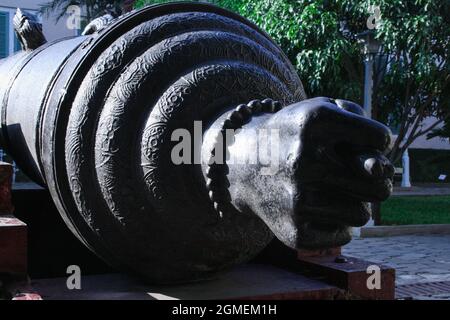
(411, 74)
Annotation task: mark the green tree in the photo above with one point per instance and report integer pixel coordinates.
(411, 75)
(416, 83)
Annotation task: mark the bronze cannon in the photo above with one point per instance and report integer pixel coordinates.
(93, 119)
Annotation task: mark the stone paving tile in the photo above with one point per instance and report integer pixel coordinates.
(419, 258)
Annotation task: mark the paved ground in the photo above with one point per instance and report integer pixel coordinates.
(416, 258)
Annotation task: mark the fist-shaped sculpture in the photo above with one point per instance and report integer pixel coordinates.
(330, 164)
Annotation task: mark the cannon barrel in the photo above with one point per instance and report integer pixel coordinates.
(89, 117)
(92, 118)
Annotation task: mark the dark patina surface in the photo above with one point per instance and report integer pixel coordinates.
(91, 118)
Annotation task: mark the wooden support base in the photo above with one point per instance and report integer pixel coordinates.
(6, 173)
(354, 275)
(246, 282)
(13, 246)
(13, 232)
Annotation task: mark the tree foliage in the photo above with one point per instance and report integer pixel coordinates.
(411, 74)
(416, 83)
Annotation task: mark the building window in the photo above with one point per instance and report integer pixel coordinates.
(4, 34)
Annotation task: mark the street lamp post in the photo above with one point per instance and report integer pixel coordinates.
(371, 46)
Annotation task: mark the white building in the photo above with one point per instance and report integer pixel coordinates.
(435, 143)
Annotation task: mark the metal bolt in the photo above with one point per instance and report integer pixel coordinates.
(340, 259)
